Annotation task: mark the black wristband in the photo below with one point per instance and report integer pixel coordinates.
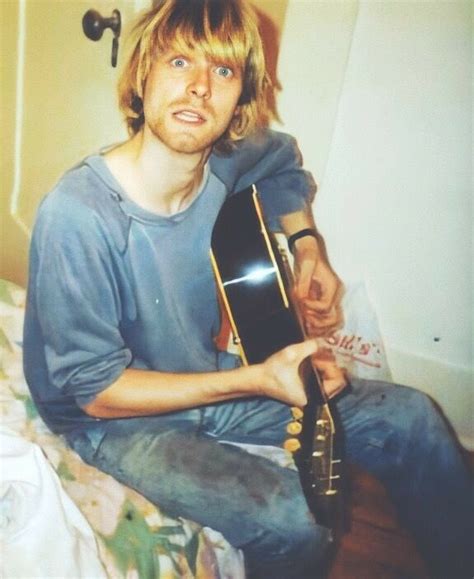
(299, 234)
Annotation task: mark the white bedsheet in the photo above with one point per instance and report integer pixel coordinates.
(43, 534)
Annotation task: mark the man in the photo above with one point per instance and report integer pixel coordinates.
(122, 314)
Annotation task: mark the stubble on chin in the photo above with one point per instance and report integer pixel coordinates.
(182, 140)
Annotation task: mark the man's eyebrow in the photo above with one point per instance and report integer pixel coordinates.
(214, 58)
(225, 61)
(222, 62)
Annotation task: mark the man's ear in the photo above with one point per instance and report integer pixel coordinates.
(237, 111)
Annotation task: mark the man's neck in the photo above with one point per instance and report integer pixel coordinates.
(156, 178)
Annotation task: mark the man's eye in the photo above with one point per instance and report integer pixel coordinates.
(179, 62)
(224, 71)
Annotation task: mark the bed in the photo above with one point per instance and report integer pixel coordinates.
(125, 534)
(62, 518)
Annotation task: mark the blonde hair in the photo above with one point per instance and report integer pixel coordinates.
(225, 30)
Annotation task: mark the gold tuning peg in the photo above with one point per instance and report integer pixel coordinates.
(297, 413)
(294, 428)
(292, 444)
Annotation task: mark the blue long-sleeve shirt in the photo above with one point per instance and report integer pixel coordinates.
(113, 286)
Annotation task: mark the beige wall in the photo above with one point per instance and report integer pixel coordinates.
(379, 95)
(13, 241)
(58, 104)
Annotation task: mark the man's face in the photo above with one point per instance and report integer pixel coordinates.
(189, 100)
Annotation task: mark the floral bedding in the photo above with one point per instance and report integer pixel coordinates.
(134, 539)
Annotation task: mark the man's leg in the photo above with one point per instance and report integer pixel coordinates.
(184, 469)
(398, 435)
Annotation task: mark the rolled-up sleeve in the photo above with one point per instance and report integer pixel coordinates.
(77, 301)
(272, 161)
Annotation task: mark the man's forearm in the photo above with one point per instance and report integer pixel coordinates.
(316, 285)
(298, 221)
(143, 392)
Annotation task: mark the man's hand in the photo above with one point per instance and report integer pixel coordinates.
(318, 290)
(333, 377)
(281, 376)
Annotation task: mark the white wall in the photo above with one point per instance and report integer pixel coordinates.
(379, 95)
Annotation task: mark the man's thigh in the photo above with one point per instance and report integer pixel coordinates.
(260, 421)
(192, 475)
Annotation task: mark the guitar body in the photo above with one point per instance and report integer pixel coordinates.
(255, 283)
(249, 264)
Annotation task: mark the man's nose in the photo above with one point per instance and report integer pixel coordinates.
(200, 83)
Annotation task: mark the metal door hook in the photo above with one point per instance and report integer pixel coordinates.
(94, 24)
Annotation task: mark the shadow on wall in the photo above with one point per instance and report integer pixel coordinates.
(271, 42)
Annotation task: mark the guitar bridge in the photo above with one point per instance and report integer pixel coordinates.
(323, 465)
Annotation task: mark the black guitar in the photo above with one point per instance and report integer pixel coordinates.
(255, 281)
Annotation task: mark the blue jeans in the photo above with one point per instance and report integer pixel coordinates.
(181, 462)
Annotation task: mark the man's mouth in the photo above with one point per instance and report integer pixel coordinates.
(189, 116)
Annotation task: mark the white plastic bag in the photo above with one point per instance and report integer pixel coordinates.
(358, 346)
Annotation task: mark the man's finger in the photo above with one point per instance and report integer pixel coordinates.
(306, 348)
(315, 329)
(321, 315)
(305, 275)
(333, 317)
(326, 300)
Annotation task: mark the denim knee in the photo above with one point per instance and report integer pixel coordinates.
(281, 539)
(287, 543)
(382, 421)
(296, 551)
(420, 422)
